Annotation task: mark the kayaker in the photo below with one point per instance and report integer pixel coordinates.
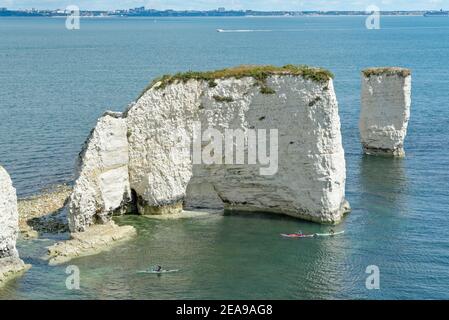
(158, 268)
(332, 232)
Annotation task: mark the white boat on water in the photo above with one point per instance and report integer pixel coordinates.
(440, 13)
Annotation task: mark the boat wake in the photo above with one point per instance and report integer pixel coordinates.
(242, 30)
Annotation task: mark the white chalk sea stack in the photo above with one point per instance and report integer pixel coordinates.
(142, 159)
(10, 263)
(102, 185)
(385, 110)
(101, 190)
(299, 102)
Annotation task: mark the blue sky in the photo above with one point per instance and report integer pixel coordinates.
(231, 4)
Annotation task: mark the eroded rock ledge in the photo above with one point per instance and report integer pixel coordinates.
(96, 239)
(385, 110)
(44, 212)
(133, 162)
(10, 263)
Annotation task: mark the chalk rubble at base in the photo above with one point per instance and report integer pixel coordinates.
(10, 263)
(96, 239)
(385, 110)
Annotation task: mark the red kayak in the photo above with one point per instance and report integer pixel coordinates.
(297, 235)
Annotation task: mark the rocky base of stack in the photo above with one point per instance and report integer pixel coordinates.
(171, 209)
(96, 239)
(10, 268)
(185, 214)
(398, 152)
(325, 218)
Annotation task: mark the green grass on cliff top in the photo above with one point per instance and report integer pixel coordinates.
(386, 71)
(260, 73)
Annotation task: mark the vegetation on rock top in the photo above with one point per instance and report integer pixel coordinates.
(259, 73)
(404, 72)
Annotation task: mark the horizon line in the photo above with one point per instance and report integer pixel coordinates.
(226, 10)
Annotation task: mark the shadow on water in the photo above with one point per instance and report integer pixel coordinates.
(379, 220)
(250, 260)
(383, 182)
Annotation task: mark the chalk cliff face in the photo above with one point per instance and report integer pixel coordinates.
(10, 263)
(385, 110)
(290, 114)
(102, 184)
(309, 182)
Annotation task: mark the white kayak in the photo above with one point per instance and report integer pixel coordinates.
(157, 272)
(329, 234)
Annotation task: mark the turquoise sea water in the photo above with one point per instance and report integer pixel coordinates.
(55, 83)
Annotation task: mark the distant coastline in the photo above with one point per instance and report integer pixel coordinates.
(220, 12)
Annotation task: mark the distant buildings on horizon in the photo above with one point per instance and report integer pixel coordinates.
(220, 12)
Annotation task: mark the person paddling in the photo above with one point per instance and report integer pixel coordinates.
(157, 269)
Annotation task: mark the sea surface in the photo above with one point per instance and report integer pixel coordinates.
(55, 83)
